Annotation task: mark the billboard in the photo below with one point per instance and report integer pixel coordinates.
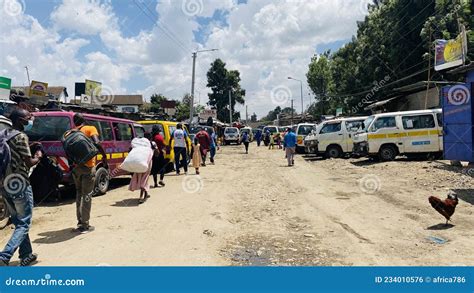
(38, 91)
(450, 53)
(93, 89)
(5, 86)
(206, 113)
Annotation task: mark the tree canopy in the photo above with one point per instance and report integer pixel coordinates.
(392, 48)
(221, 81)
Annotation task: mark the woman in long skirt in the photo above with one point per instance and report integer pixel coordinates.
(140, 181)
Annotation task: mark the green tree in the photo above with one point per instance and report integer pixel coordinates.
(253, 118)
(183, 108)
(156, 100)
(221, 81)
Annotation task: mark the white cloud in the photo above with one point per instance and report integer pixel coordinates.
(87, 17)
(266, 40)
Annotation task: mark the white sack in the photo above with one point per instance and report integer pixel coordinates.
(137, 160)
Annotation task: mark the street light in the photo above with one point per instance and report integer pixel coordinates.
(301, 88)
(191, 114)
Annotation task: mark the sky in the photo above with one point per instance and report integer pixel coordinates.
(145, 46)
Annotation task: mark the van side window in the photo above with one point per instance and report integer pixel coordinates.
(123, 132)
(330, 128)
(439, 117)
(106, 133)
(384, 122)
(353, 125)
(418, 122)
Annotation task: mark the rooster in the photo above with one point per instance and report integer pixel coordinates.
(445, 207)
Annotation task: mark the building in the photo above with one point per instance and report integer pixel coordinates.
(418, 96)
(125, 103)
(57, 93)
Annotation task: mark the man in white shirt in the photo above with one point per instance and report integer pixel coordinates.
(180, 148)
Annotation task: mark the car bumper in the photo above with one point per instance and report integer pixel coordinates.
(361, 149)
(311, 148)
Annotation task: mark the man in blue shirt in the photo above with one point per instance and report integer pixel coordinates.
(290, 146)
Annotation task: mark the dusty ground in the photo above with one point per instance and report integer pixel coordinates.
(253, 210)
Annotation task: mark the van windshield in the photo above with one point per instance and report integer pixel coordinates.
(365, 126)
(48, 128)
(305, 129)
(231, 130)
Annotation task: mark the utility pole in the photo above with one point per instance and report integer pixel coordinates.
(246, 114)
(191, 107)
(301, 93)
(193, 79)
(230, 107)
(28, 75)
(292, 112)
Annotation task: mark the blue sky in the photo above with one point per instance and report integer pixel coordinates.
(138, 46)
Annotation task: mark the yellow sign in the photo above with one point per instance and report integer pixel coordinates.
(38, 88)
(93, 88)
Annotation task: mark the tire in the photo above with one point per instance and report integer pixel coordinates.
(300, 150)
(102, 181)
(334, 151)
(387, 153)
(4, 214)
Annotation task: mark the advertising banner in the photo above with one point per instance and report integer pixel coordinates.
(5, 86)
(449, 53)
(93, 89)
(38, 91)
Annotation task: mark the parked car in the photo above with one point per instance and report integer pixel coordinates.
(115, 135)
(247, 130)
(166, 129)
(231, 135)
(302, 130)
(333, 138)
(408, 133)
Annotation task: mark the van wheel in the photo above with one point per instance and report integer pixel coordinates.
(333, 151)
(387, 153)
(102, 181)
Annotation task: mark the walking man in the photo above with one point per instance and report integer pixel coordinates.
(290, 146)
(181, 148)
(84, 176)
(258, 137)
(16, 188)
(246, 141)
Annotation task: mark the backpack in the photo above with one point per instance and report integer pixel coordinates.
(78, 147)
(5, 152)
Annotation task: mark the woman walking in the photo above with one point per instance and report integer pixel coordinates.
(196, 155)
(159, 160)
(140, 180)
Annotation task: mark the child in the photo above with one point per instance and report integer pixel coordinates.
(196, 155)
(272, 142)
(278, 140)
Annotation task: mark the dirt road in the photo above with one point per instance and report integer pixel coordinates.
(254, 210)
